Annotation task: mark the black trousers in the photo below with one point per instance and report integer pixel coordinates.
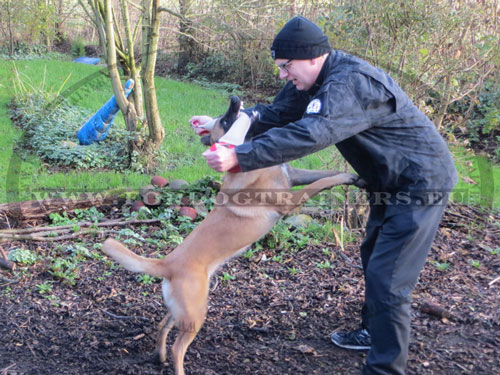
(397, 242)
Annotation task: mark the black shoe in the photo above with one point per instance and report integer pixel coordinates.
(357, 340)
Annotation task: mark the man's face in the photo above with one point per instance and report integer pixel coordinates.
(302, 73)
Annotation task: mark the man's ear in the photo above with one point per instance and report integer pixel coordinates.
(319, 59)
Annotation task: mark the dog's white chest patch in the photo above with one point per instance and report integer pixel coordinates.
(314, 106)
(170, 302)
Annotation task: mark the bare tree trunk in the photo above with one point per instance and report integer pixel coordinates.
(120, 50)
(48, 41)
(446, 98)
(134, 70)
(445, 102)
(150, 35)
(96, 14)
(9, 26)
(189, 48)
(126, 107)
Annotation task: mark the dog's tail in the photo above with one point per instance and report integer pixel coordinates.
(133, 262)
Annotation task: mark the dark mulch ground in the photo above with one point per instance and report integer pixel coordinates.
(265, 321)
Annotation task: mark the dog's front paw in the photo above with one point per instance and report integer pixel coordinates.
(359, 182)
(349, 178)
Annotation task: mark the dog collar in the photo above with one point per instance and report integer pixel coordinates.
(235, 169)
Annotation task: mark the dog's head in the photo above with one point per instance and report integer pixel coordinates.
(224, 122)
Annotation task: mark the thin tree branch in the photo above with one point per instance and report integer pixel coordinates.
(136, 6)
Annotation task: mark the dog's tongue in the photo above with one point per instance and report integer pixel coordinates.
(236, 134)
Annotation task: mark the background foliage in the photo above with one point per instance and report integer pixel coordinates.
(443, 52)
(49, 131)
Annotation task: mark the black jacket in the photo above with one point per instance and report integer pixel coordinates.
(388, 141)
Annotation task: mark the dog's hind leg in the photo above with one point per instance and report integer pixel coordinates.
(190, 294)
(163, 329)
(184, 339)
(299, 177)
(296, 198)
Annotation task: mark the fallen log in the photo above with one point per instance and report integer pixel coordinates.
(59, 233)
(17, 212)
(5, 262)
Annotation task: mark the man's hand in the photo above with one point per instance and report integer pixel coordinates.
(222, 159)
(199, 124)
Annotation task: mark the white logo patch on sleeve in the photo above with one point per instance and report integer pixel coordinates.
(314, 106)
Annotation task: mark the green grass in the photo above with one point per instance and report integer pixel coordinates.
(88, 87)
(479, 179)
(9, 133)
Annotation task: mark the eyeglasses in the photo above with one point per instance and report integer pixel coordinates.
(283, 67)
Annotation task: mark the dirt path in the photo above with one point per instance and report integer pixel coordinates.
(265, 317)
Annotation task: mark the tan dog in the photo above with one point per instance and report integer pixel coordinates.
(249, 204)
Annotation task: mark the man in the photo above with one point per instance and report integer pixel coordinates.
(332, 98)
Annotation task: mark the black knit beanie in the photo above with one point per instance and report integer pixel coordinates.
(300, 39)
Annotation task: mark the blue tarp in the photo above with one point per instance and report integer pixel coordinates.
(88, 60)
(97, 127)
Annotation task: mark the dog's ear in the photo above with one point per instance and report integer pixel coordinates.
(223, 123)
(231, 115)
